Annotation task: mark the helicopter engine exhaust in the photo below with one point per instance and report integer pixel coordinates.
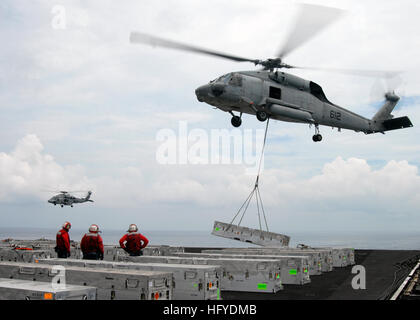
(291, 113)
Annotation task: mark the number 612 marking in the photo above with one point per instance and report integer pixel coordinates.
(335, 115)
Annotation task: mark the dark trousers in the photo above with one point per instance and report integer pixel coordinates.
(91, 256)
(61, 254)
(136, 254)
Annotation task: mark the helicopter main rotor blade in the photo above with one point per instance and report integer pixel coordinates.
(138, 37)
(356, 72)
(62, 191)
(309, 22)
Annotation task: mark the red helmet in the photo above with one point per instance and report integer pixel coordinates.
(67, 225)
(94, 228)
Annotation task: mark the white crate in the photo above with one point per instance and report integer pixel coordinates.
(191, 282)
(111, 253)
(324, 256)
(112, 284)
(250, 275)
(10, 254)
(13, 289)
(294, 269)
(314, 258)
(342, 257)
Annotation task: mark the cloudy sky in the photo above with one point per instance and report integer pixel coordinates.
(83, 109)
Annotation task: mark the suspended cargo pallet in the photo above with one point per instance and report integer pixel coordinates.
(13, 289)
(254, 236)
(191, 282)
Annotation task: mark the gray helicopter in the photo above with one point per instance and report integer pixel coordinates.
(66, 199)
(271, 93)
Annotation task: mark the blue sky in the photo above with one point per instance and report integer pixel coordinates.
(81, 109)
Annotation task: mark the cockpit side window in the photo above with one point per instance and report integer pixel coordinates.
(236, 80)
(317, 91)
(275, 93)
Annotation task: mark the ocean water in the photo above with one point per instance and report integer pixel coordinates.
(357, 240)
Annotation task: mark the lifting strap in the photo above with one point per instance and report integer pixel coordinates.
(255, 191)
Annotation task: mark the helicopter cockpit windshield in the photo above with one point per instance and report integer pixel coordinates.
(225, 78)
(235, 80)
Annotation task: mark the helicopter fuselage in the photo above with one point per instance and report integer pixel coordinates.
(283, 97)
(66, 199)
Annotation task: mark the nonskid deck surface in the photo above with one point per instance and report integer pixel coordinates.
(380, 266)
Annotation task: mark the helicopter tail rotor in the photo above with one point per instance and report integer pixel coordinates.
(384, 113)
(383, 118)
(386, 87)
(88, 196)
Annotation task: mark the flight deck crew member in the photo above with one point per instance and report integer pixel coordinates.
(63, 241)
(133, 242)
(92, 245)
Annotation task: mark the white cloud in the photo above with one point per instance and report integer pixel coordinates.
(27, 171)
(342, 184)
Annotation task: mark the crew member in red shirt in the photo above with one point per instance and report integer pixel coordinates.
(133, 242)
(63, 241)
(92, 245)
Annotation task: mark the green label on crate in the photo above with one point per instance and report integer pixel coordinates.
(217, 229)
(262, 286)
(293, 271)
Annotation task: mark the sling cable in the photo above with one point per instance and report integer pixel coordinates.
(256, 192)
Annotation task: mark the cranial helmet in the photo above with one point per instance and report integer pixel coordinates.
(67, 225)
(94, 228)
(132, 228)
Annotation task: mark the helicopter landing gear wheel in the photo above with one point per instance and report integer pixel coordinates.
(317, 137)
(71, 206)
(236, 121)
(262, 115)
(62, 206)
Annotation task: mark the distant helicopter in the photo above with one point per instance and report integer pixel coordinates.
(269, 93)
(66, 199)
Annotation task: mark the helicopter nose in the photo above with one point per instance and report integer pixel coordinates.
(202, 92)
(217, 89)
